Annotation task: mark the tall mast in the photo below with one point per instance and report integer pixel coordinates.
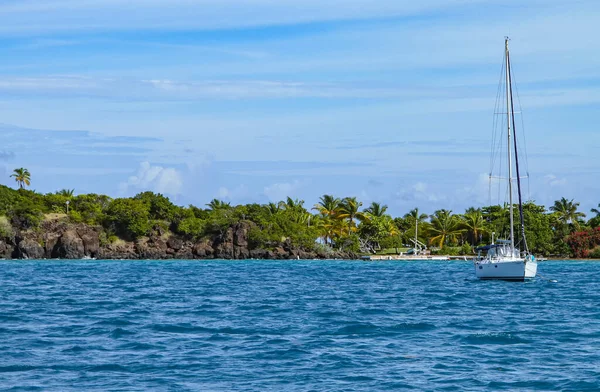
(417, 230)
(518, 173)
(508, 122)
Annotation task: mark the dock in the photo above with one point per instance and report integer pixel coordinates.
(415, 258)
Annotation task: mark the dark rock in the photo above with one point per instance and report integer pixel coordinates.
(203, 250)
(50, 240)
(121, 250)
(322, 255)
(174, 243)
(258, 254)
(186, 251)
(69, 246)
(281, 253)
(30, 249)
(223, 246)
(91, 240)
(240, 234)
(153, 248)
(6, 250)
(242, 253)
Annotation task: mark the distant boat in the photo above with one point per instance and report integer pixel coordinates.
(503, 260)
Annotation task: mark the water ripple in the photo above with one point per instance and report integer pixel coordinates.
(301, 325)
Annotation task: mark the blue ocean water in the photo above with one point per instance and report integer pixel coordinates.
(295, 326)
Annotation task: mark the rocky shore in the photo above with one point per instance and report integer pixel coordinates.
(63, 240)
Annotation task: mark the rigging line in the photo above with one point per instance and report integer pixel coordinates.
(522, 118)
(524, 144)
(524, 238)
(495, 120)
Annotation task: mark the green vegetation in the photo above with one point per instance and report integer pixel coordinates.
(331, 224)
(22, 177)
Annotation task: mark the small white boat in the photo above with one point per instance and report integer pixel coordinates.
(501, 263)
(503, 260)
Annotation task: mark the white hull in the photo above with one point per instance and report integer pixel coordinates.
(516, 269)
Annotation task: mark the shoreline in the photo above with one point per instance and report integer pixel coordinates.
(363, 258)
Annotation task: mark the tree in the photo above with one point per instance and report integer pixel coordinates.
(376, 210)
(327, 205)
(595, 221)
(159, 206)
(273, 208)
(349, 210)
(416, 216)
(538, 230)
(474, 223)
(216, 204)
(292, 204)
(129, 217)
(566, 211)
(91, 207)
(68, 193)
(22, 177)
(414, 221)
(444, 226)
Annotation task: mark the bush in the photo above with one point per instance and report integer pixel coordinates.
(582, 242)
(595, 253)
(349, 244)
(191, 227)
(259, 239)
(159, 206)
(103, 238)
(91, 207)
(449, 251)
(55, 203)
(75, 216)
(128, 218)
(26, 215)
(323, 249)
(466, 249)
(6, 230)
(8, 199)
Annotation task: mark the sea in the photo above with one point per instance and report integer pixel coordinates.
(250, 325)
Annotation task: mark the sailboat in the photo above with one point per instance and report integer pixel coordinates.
(503, 259)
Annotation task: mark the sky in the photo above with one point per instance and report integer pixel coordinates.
(256, 100)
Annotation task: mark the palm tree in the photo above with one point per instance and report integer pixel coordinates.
(566, 211)
(376, 210)
(327, 205)
(216, 204)
(595, 221)
(22, 177)
(68, 193)
(292, 204)
(415, 221)
(414, 215)
(273, 208)
(444, 226)
(349, 209)
(474, 222)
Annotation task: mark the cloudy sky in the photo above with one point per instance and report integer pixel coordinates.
(255, 100)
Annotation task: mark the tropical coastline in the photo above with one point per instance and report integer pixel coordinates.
(149, 226)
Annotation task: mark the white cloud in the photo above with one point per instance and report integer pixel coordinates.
(236, 194)
(418, 192)
(553, 180)
(158, 179)
(280, 191)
